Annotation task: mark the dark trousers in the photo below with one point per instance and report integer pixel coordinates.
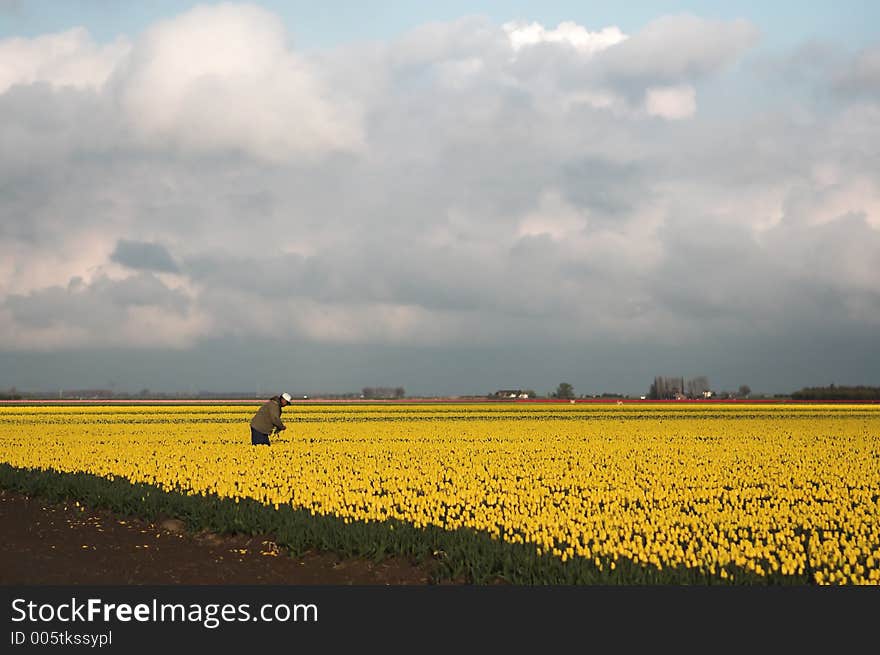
(258, 438)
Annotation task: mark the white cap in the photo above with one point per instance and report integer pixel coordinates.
(286, 396)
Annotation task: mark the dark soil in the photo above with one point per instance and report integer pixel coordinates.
(67, 543)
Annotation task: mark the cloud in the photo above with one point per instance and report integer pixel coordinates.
(676, 48)
(671, 102)
(143, 256)
(224, 78)
(70, 59)
(137, 311)
(861, 74)
(464, 184)
(216, 79)
(652, 72)
(523, 35)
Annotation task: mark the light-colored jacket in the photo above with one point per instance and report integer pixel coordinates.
(268, 416)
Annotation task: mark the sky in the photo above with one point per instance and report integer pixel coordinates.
(320, 197)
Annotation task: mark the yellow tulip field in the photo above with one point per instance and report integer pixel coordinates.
(526, 492)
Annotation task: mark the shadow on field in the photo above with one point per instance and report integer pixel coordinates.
(459, 555)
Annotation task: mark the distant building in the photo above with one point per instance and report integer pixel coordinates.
(708, 393)
(85, 394)
(510, 393)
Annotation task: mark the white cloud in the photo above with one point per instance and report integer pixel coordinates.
(554, 218)
(223, 77)
(523, 35)
(215, 79)
(649, 73)
(671, 102)
(68, 58)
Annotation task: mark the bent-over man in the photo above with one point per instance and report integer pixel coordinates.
(267, 418)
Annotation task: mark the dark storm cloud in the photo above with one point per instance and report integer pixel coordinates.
(97, 306)
(143, 256)
(442, 193)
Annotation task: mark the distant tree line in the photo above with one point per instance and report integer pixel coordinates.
(667, 388)
(347, 395)
(564, 390)
(12, 394)
(832, 392)
(383, 393)
(671, 388)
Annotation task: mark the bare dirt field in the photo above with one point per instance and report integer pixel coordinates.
(66, 543)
